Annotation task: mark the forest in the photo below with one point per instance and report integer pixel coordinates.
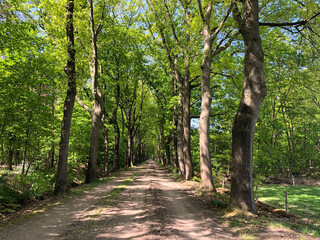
(226, 92)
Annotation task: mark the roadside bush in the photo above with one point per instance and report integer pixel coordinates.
(11, 200)
(37, 184)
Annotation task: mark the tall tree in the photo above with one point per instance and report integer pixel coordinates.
(98, 105)
(70, 70)
(209, 36)
(254, 91)
(204, 123)
(177, 44)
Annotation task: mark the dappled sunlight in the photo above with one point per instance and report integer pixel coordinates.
(152, 206)
(51, 223)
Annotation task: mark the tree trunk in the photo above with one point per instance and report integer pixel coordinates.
(143, 153)
(70, 70)
(253, 94)
(106, 168)
(167, 148)
(204, 122)
(158, 157)
(130, 148)
(25, 152)
(52, 151)
(94, 144)
(180, 132)
(10, 157)
(175, 147)
(140, 154)
(51, 155)
(117, 130)
(116, 165)
(162, 145)
(186, 127)
(174, 132)
(17, 156)
(98, 103)
(137, 142)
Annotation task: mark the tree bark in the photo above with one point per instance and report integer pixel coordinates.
(106, 164)
(98, 103)
(52, 151)
(130, 147)
(116, 166)
(174, 132)
(95, 127)
(186, 128)
(187, 93)
(175, 144)
(180, 132)
(167, 148)
(70, 70)
(204, 122)
(10, 156)
(253, 94)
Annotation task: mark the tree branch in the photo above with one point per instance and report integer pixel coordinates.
(83, 48)
(195, 78)
(40, 25)
(195, 101)
(220, 48)
(236, 12)
(99, 27)
(218, 29)
(83, 105)
(195, 85)
(164, 41)
(291, 24)
(172, 27)
(200, 10)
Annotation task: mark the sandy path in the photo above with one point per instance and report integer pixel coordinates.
(55, 221)
(152, 207)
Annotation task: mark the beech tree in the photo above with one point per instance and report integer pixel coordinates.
(210, 50)
(138, 72)
(70, 69)
(180, 70)
(98, 105)
(254, 91)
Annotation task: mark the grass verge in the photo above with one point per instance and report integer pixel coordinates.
(302, 200)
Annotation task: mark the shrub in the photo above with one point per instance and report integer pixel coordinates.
(10, 199)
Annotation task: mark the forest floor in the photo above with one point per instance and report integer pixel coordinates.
(141, 203)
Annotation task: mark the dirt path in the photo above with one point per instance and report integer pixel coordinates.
(152, 207)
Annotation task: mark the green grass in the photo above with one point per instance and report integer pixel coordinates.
(302, 200)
